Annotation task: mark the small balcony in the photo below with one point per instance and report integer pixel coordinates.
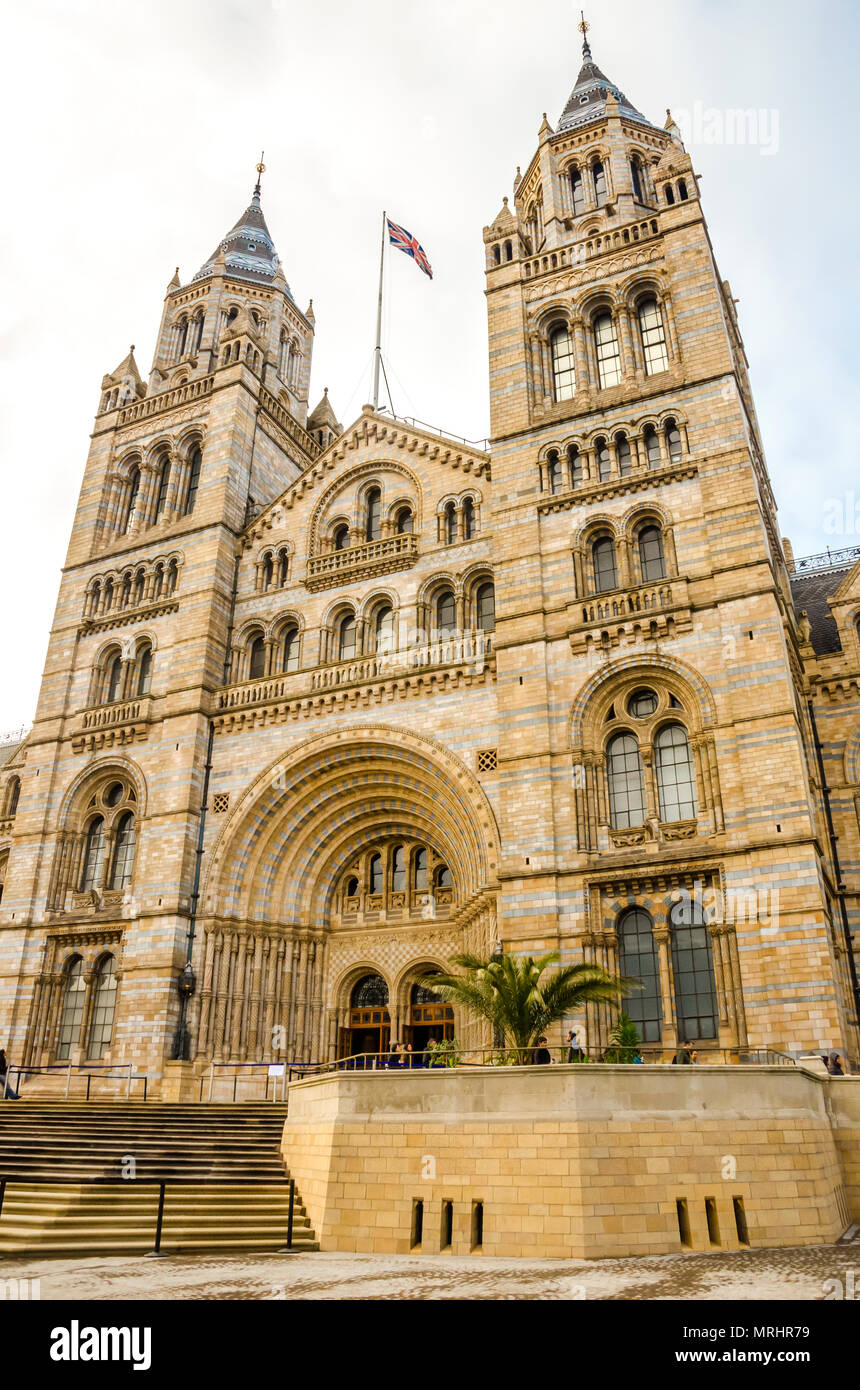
(364, 561)
(124, 721)
(648, 610)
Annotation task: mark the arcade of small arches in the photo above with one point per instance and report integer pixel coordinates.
(602, 343)
(647, 447)
(393, 882)
(272, 569)
(350, 631)
(134, 587)
(370, 522)
(458, 519)
(148, 491)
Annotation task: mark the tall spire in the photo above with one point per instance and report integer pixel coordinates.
(583, 28)
(261, 169)
(247, 250)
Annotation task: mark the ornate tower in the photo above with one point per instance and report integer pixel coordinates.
(115, 767)
(655, 745)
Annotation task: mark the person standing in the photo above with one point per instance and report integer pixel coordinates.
(6, 1092)
(574, 1051)
(834, 1064)
(541, 1056)
(684, 1056)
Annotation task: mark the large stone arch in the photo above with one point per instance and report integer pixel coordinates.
(279, 856)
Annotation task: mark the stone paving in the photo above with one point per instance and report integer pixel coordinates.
(801, 1273)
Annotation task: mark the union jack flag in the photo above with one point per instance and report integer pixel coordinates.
(405, 241)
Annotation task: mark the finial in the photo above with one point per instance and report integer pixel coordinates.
(583, 28)
(261, 169)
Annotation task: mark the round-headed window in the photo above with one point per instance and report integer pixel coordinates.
(113, 795)
(641, 704)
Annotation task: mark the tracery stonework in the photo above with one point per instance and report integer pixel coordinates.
(327, 705)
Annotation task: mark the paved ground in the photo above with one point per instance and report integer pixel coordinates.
(746, 1275)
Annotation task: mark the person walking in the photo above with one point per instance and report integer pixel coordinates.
(684, 1056)
(574, 1051)
(834, 1064)
(6, 1092)
(541, 1056)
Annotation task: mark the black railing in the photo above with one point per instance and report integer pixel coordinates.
(26, 1180)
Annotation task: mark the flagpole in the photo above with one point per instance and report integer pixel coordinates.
(378, 353)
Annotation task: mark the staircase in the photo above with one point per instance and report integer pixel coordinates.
(233, 1193)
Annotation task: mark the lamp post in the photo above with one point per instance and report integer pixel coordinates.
(185, 984)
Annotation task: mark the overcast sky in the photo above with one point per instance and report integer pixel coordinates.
(132, 130)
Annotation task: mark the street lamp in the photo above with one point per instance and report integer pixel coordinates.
(185, 984)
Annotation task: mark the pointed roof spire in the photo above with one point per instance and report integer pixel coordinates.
(587, 101)
(247, 251)
(261, 169)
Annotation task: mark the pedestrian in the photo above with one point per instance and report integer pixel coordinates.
(541, 1056)
(834, 1064)
(684, 1056)
(394, 1055)
(429, 1059)
(6, 1092)
(574, 1051)
(407, 1055)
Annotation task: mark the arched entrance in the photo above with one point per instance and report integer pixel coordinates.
(368, 1021)
(430, 1018)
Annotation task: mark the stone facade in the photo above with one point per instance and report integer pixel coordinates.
(324, 704)
(581, 1162)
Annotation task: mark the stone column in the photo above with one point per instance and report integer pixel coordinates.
(662, 937)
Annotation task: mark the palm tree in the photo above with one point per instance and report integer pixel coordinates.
(507, 990)
(624, 1041)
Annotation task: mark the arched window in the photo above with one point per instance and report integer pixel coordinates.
(172, 576)
(485, 607)
(652, 446)
(604, 461)
(599, 175)
(497, 255)
(94, 855)
(623, 454)
(376, 875)
(104, 1007)
(351, 888)
(346, 638)
(125, 592)
(405, 523)
(163, 480)
(73, 1009)
(183, 336)
(673, 441)
(626, 782)
(139, 586)
(158, 581)
(450, 523)
(419, 872)
(575, 460)
(283, 567)
(373, 514)
(290, 650)
(13, 795)
(133, 488)
(113, 688)
(653, 333)
(398, 870)
(577, 191)
(144, 671)
(468, 519)
(652, 562)
(608, 353)
(341, 538)
(563, 365)
(267, 573)
(670, 194)
(383, 630)
(509, 251)
(636, 175)
(555, 472)
(442, 877)
(193, 480)
(257, 659)
(682, 190)
(639, 961)
(123, 853)
(604, 565)
(676, 778)
(446, 612)
(371, 992)
(693, 971)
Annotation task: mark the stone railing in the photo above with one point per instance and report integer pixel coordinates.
(472, 649)
(109, 716)
(626, 610)
(166, 400)
(284, 419)
(374, 557)
(126, 721)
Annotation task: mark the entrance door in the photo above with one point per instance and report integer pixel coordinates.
(368, 1028)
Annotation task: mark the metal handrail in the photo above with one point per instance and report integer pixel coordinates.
(499, 1056)
(480, 444)
(161, 1183)
(126, 1072)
